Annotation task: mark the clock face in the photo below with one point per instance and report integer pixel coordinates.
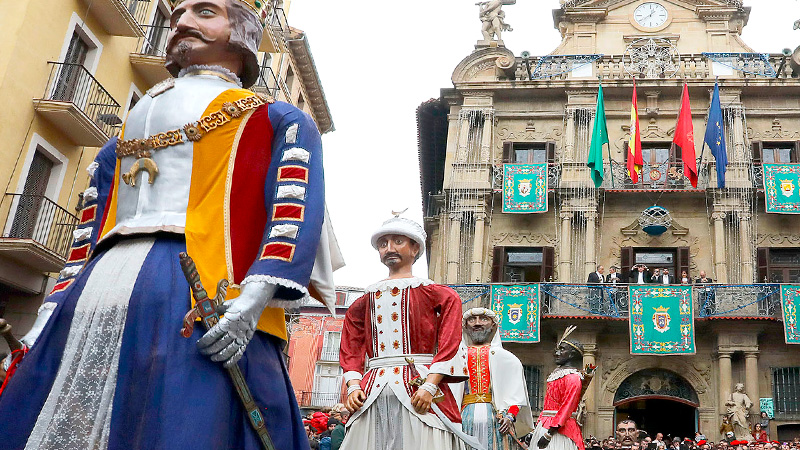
(650, 15)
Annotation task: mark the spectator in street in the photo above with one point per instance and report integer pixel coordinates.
(337, 434)
(764, 421)
(759, 434)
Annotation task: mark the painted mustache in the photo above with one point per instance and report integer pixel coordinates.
(391, 255)
(189, 33)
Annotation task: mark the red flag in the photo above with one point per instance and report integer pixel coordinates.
(635, 160)
(684, 138)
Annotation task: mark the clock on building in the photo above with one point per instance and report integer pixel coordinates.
(650, 15)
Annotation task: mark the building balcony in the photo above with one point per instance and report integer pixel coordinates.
(553, 176)
(680, 67)
(273, 40)
(658, 176)
(78, 105)
(120, 17)
(329, 353)
(37, 232)
(269, 83)
(605, 301)
(149, 57)
(315, 399)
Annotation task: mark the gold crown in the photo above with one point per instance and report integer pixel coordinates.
(661, 309)
(258, 7)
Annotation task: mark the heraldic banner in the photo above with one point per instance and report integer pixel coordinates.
(524, 188)
(662, 320)
(782, 188)
(518, 309)
(790, 297)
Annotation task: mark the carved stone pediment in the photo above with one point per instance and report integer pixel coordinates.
(488, 64)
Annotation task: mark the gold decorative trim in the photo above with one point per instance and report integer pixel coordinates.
(141, 148)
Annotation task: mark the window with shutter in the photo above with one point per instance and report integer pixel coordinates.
(522, 264)
(533, 378)
(30, 202)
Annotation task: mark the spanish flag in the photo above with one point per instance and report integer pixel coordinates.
(635, 160)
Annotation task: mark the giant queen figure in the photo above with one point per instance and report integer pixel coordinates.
(207, 167)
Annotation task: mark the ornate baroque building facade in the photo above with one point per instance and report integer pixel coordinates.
(517, 108)
(69, 72)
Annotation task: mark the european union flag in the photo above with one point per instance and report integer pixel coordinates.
(715, 137)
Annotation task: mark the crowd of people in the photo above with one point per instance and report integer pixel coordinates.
(628, 436)
(325, 428)
(641, 274)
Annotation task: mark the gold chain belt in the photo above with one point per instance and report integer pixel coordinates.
(194, 131)
(469, 399)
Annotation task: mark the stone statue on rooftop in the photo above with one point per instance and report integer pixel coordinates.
(493, 19)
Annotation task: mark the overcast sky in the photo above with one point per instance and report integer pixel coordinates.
(378, 60)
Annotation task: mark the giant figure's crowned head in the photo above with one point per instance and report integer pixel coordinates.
(223, 33)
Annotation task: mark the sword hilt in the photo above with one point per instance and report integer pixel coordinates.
(205, 308)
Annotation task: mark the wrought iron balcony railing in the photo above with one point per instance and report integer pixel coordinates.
(612, 300)
(329, 353)
(154, 41)
(270, 83)
(319, 399)
(138, 9)
(37, 218)
(277, 21)
(667, 175)
(553, 176)
(72, 83)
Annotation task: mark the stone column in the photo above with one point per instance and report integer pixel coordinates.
(724, 378)
(720, 265)
(477, 248)
(486, 137)
(745, 247)
(453, 244)
(565, 255)
(751, 379)
(463, 136)
(569, 137)
(738, 136)
(591, 259)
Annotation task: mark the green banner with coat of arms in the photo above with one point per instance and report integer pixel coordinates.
(782, 188)
(790, 297)
(524, 188)
(518, 309)
(662, 320)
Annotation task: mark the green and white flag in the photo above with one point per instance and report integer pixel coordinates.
(599, 138)
(662, 320)
(517, 306)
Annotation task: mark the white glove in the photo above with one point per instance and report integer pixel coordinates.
(45, 311)
(227, 340)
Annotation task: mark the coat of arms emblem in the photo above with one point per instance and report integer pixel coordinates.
(524, 187)
(661, 319)
(515, 313)
(787, 187)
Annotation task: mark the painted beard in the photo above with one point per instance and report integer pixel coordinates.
(182, 51)
(481, 336)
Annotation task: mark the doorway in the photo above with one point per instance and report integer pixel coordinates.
(655, 415)
(659, 401)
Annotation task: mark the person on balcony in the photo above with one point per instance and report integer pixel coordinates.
(595, 297)
(664, 277)
(207, 166)
(639, 274)
(494, 406)
(406, 332)
(613, 276)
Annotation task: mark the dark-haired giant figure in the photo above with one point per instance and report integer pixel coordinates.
(206, 166)
(556, 428)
